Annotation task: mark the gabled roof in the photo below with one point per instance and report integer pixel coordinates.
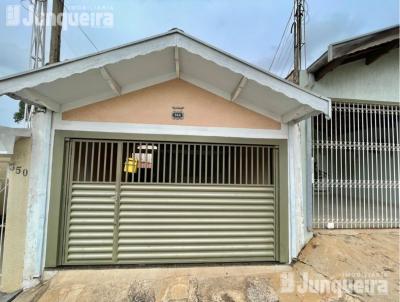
(368, 46)
(174, 54)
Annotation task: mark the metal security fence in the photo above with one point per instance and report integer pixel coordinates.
(356, 167)
(172, 163)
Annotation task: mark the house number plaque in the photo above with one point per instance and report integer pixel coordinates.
(177, 113)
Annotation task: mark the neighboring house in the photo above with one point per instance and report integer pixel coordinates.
(165, 150)
(356, 152)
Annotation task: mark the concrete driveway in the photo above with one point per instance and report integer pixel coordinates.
(335, 266)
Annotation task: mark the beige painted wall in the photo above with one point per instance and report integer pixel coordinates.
(153, 105)
(14, 244)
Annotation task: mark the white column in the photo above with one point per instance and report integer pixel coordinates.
(37, 198)
(296, 205)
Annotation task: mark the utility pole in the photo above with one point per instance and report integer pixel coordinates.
(37, 51)
(298, 38)
(55, 42)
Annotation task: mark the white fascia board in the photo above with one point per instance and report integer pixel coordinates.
(287, 88)
(177, 62)
(65, 69)
(156, 129)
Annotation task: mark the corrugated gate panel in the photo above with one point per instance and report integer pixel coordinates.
(169, 224)
(91, 223)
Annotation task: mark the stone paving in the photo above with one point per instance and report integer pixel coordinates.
(368, 260)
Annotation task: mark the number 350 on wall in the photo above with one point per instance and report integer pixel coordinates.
(18, 170)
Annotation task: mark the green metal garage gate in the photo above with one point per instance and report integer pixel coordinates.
(131, 202)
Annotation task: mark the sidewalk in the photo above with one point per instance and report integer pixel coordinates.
(335, 266)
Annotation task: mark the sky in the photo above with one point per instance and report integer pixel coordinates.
(248, 29)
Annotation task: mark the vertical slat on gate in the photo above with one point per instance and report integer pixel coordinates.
(340, 221)
(200, 162)
(389, 167)
(223, 164)
(392, 163)
(139, 146)
(98, 161)
(359, 165)
(117, 200)
(325, 205)
(246, 166)
(206, 165)
(79, 161)
(105, 161)
(234, 167)
(369, 157)
(92, 162)
(188, 164)
(263, 164)
(375, 176)
(258, 165)
(212, 164)
(182, 161)
(252, 164)
(385, 169)
(345, 118)
(111, 162)
(240, 166)
(362, 109)
(336, 164)
(318, 176)
(165, 163)
(176, 162)
(146, 154)
(152, 162)
(158, 162)
(331, 187)
(194, 162)
(218, 147)
(397, 155)
(381, 166)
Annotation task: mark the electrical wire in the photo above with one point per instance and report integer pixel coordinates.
(280, 42)
(83, 32)
(283, 52)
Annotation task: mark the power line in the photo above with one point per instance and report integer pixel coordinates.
(280, 42)
(285, 54)
(83, 32)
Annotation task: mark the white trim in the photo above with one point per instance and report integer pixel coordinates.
(173, 39)
(65, 69)
(60, 124)
(280, 85)
(110, 80)
(176, 59)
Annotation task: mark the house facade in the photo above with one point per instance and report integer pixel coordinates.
(165, 150)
